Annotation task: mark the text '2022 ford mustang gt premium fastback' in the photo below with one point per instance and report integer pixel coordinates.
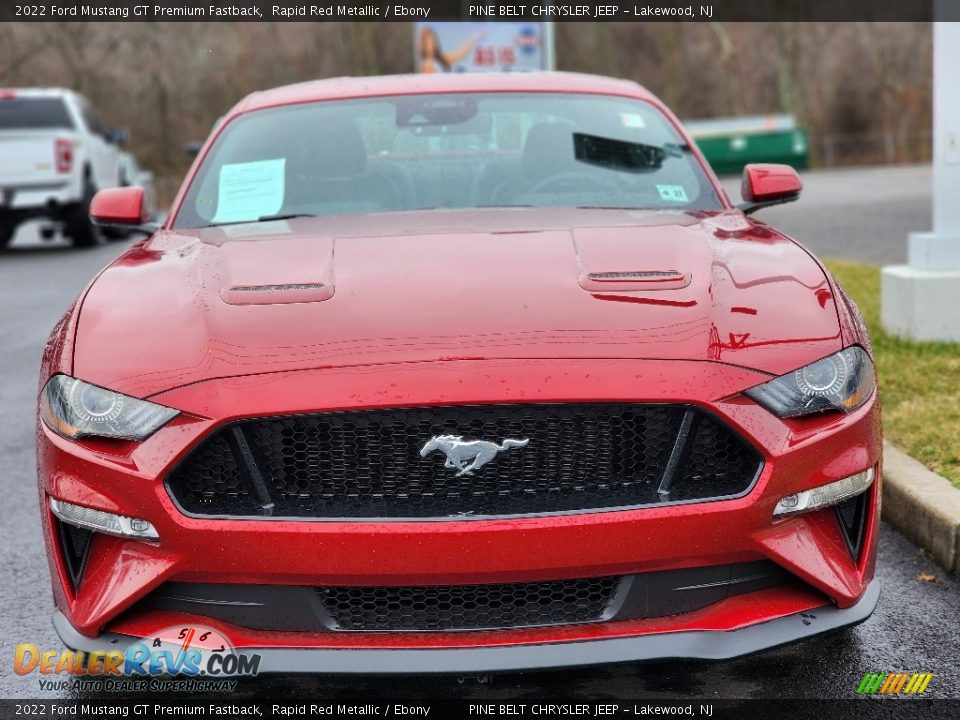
(459, 374)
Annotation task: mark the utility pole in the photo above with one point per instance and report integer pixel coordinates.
(921, 300)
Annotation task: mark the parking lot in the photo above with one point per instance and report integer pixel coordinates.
(855, 214)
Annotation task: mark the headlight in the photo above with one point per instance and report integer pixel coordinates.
(76, 409)
(843, 382)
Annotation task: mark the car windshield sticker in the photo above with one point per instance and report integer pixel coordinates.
(673, 193)
(632, 120)
(250, 190)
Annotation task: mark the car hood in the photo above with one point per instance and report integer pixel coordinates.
(187, 306)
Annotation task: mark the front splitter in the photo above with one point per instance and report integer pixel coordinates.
(701, 645)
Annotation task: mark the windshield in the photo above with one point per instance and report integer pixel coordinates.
(467, 150)
(24, 113)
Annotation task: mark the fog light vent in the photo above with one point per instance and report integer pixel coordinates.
(852, 515)
(75, 544)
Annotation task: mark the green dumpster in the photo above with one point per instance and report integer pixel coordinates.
(730, 143)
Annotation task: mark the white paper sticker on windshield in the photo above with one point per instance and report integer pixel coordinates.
(673, 193)
(632, 120)
(250, 190)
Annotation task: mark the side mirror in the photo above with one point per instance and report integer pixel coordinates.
(192, 148)
(765, 185)
(118, 136)
(123, 206)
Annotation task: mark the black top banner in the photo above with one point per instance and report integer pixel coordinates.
(483, 10)
(170, 705)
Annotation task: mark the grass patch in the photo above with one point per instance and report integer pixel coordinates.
(919, 381)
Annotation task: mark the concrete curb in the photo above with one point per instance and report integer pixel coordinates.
(923, 506)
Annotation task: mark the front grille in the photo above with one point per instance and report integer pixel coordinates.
(468, 607)
(367, 464)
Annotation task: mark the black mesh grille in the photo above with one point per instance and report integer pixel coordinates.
(468, 607)
(367, 464)
(716, 462)
(214, 482)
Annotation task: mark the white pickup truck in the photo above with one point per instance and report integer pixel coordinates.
(55, 153)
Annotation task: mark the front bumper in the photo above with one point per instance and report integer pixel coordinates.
(691, 644)
(798, 454)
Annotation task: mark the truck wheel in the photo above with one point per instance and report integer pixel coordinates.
(115, 234)
(77, 223)
(7, 231)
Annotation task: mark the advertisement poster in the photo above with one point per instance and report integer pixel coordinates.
(483, 46)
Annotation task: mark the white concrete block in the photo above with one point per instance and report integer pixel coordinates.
(930, 251)
(919, 304)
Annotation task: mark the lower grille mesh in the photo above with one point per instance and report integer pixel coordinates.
(468, 607)
(305, 608)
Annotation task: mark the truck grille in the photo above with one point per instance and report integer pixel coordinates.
(367, 464)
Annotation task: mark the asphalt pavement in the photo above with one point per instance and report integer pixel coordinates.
(861, 214)
(855, 214)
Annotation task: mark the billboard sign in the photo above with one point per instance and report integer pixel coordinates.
(483, 46)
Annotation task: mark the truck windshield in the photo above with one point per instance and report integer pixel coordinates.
(34, 113)
(467, 150)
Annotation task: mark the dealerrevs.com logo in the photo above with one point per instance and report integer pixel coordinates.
(894, 683)
(180, 653)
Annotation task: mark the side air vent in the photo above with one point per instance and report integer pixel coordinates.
(75, 544)
(852, 516)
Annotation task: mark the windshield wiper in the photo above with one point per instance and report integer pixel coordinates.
(284, 216)
(262, 218)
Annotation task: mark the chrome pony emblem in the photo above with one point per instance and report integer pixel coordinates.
(468, 455)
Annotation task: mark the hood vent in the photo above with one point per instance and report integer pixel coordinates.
(658, 275)
(276, 294)
(276, 288)
(627, 280)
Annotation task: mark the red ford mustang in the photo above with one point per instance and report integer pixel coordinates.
(460, 374)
